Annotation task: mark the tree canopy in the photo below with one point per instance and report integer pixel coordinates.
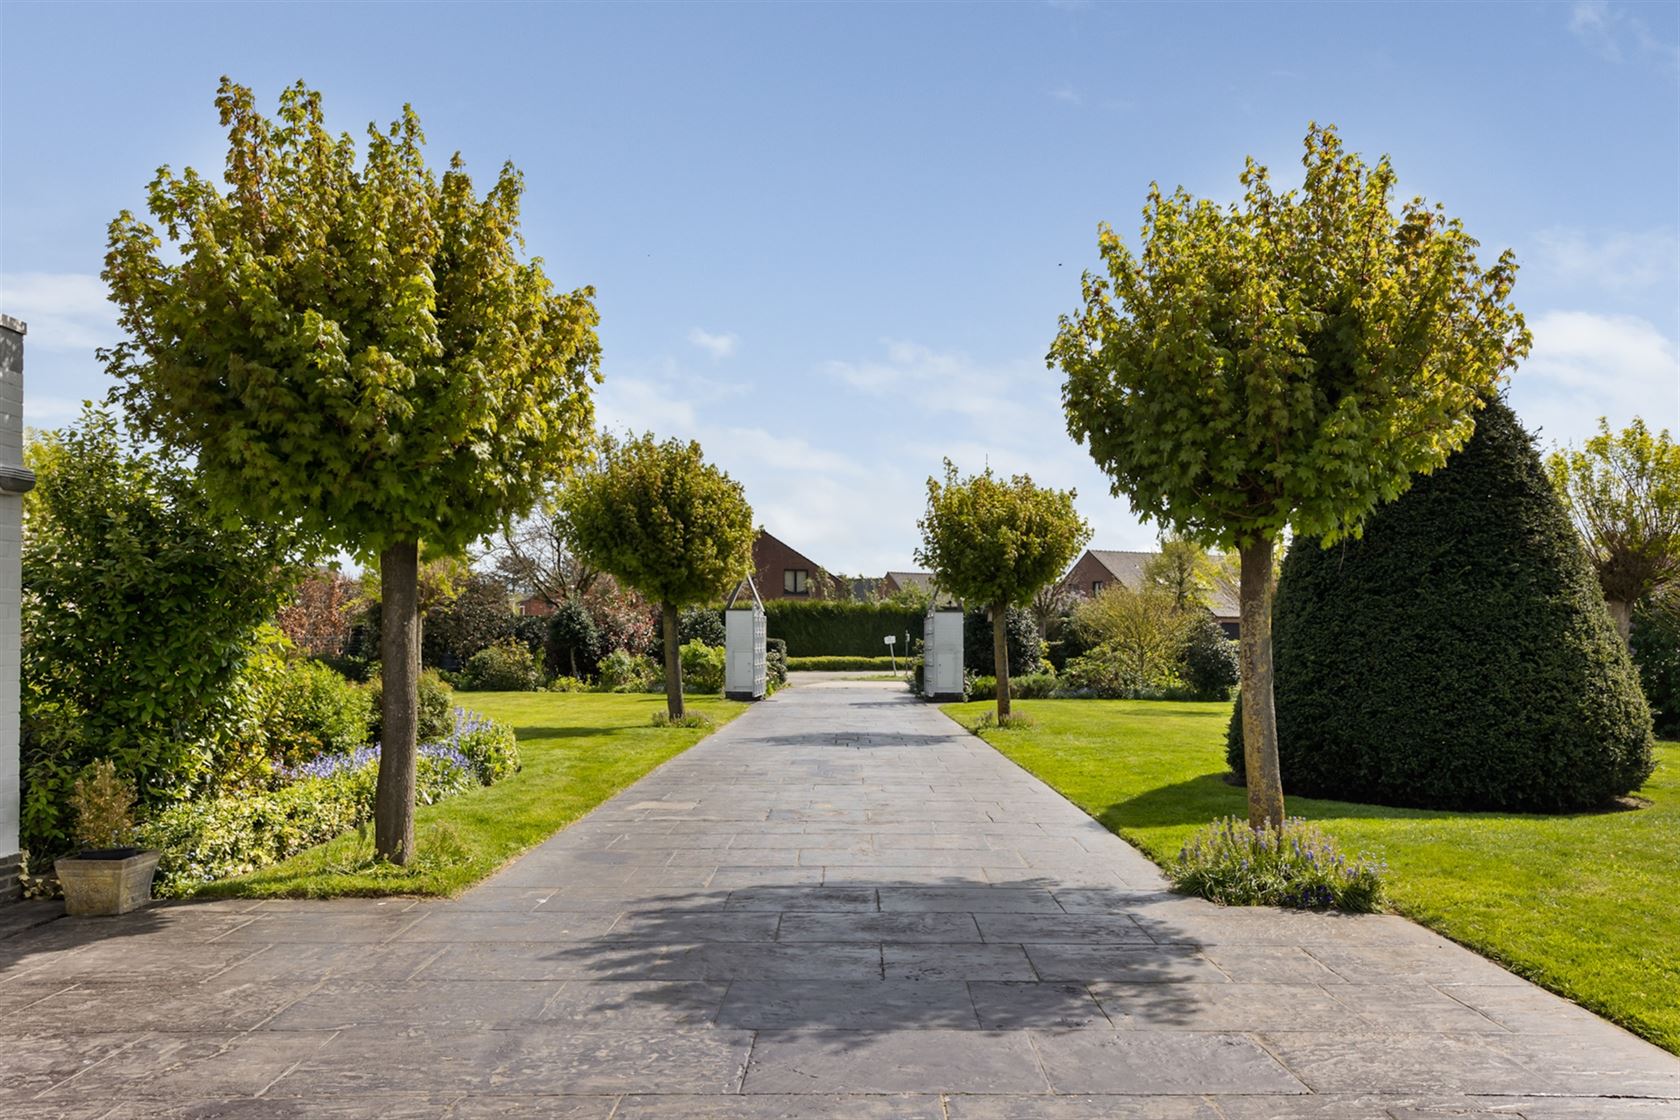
(1622, 490)
(995, 542)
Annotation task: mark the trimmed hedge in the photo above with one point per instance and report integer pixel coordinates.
(839, 627)
(1459, 655)
(843, 664)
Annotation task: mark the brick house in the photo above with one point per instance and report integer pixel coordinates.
(1100, 568)
(783, 572)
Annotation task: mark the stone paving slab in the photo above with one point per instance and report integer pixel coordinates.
(838, 906)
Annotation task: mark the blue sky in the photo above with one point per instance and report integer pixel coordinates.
(831, 242)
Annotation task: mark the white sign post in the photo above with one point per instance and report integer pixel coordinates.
(890, 639)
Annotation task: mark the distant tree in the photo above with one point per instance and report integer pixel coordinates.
(1143, 629)
(353, 349)
(1183, 569)
(1623, 492)
(477, 617)
(995, 542)
(661, 519)
(1289, 362)
(1050, 607)
(535, 556)
(320, 618)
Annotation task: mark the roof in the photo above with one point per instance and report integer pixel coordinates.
(912, 579)
(1127, 567)
(766, 537)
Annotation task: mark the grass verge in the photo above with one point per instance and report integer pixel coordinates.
(578, 749)
(1582, 904)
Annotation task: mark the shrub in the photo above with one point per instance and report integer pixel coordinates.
(989, 721)
(838, 627)
(437, 706)
(574, 642)
(504, 667)
(567, 684)
(1107, 673)
(623, 671)
(104, 807)
(702, 668)
(1036, 686)
(1655, 640)
(1460, 654)
(703, 625)
(1021, 636)
(476, 618)
(840, 664)
(1210, 660)
(307, 709)
(691, 719)
(1230, 863)
(775, 664)
(488, 746)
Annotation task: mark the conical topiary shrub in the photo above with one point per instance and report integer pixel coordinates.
(1459, 655)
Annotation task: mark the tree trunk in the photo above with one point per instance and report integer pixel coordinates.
(1621, 613)
(1000, 657)
(673, 664)
(399, 673)
(1254, 651)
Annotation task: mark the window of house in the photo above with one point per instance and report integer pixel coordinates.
(1096, 587)
(794, 580)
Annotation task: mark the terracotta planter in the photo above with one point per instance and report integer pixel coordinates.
(103, 883)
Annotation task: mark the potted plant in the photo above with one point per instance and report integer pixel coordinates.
(109, 876)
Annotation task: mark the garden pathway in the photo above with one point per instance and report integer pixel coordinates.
(838, 906)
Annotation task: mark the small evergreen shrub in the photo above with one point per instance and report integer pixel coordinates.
(701, 624)
(702, 668)
(437, 706)
(1014, 721)
(567, 684)
(1230, 863)
(691, 720)
(623, 671)
(505, 667)
(574, 645)
(104, 807)
(1021, 636)
(1034, 686)
(1459, 655)
(775, 664)
(308, 709)
(1210, 660)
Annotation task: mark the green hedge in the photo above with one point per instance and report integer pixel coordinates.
(844, 664)
(839, 628)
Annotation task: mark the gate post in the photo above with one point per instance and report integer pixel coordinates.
(15, 481)
(942, 654)
(743, 649)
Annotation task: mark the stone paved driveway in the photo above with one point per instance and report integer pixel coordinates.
(839, 906)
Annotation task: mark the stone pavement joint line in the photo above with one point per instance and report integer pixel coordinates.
(840, 905)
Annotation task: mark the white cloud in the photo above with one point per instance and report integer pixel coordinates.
(1615, 36)
(1067, 93)
(1586, 365)
(64, 310)
(1620, 261)
(717, 345)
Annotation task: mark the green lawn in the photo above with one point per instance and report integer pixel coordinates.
(1585, 905)
(578, 749)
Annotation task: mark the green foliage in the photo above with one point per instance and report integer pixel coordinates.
(991, 721)
(504, 667)
(477, 617)
(1623, 492)
(352, 346)
(660, 519)
(437, 707)
(140, 610)
(1108, 672)
(1021, 635)
(1139, 635)
(1655, 643)
(1459, 655)
(489, 746)
(837, 627)
(623, 671)
(703, 668)
(775, 663)
(1033, 686)
(693, 720)
(1230, 863)
(574, 644)
(841, 664)
(1209, 659)
(703, 625)
(305, 709)
(995, 542)
(104, 807)
(567, 684)
(1289, 362)
(1183, 571)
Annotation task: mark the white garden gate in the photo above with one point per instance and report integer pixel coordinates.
(744, 634)
(942, 654)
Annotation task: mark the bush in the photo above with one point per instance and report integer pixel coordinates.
(1021, 637)
(1033, 686)
(838, 627)
(1459, 655)
(488, 746)
(1108, 674)
(574, 642)
(1230, 863)
(989, 721)
(623, 671)
(702, 668)
(775, 664)
(841, 664)
(703, 625)
(1210, 660)
(437, 706)
(477, 618)
(1656, 651)
(307, 710)
(104, 807)
(697, 720)
(567, 684)
(505, 667)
